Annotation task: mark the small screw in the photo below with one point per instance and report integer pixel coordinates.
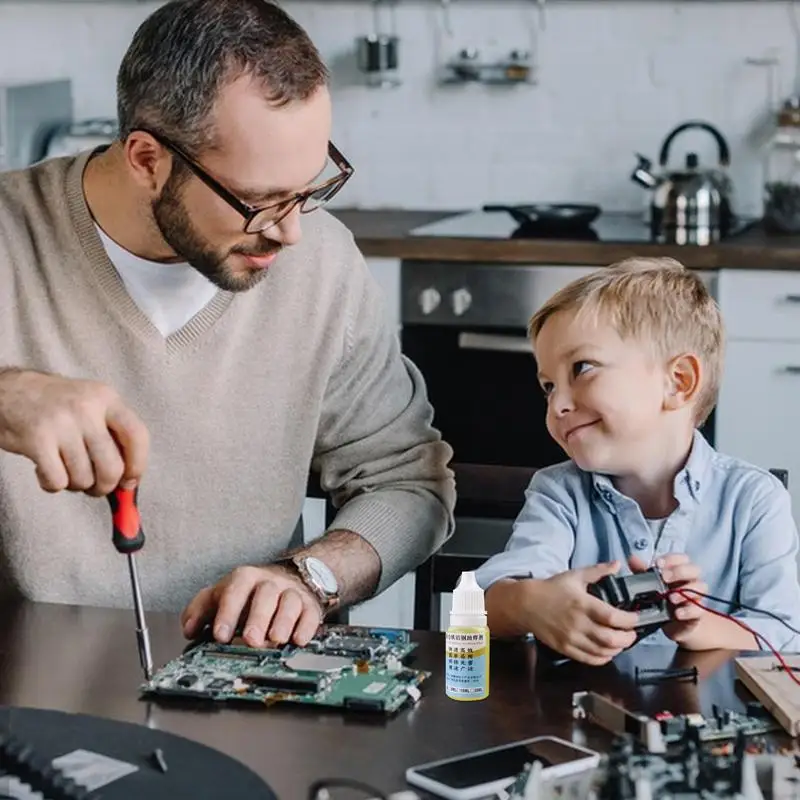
(158, 757)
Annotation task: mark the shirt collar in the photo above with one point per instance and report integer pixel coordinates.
(694, 475)
(689, 482)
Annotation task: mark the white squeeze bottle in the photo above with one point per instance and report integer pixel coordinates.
(467, 643)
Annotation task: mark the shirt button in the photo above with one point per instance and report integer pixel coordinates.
(640, 544)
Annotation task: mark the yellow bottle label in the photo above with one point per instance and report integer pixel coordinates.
(467, 663)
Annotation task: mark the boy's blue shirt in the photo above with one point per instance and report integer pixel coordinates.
(733, 520)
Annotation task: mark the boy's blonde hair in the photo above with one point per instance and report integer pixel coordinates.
(657, 301)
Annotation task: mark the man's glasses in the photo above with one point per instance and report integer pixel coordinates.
(258, 220)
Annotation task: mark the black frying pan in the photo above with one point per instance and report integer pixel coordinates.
(551, 215)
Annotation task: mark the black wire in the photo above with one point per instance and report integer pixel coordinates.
(743, 607)
(344, 783)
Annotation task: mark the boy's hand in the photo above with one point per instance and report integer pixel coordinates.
(567, 618)
(678, 572)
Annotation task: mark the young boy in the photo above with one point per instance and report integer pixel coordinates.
(630, 358)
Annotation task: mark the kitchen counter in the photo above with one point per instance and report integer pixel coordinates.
(386, 233)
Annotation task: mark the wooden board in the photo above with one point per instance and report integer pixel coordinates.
(778, 693)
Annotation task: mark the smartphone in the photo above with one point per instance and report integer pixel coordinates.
(482, 773)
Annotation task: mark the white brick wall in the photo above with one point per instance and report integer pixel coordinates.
(614, 78)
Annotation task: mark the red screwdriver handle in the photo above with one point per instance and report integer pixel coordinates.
(128, 536)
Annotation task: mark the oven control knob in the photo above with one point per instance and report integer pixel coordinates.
(461, 300)
(429, 300)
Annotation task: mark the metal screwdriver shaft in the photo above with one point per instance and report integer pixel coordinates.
(128, 537)
(142, 634)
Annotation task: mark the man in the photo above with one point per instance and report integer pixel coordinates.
(164, 325)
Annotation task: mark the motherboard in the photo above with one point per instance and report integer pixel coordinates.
(358, 669)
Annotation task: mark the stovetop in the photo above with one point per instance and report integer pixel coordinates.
(608, 227)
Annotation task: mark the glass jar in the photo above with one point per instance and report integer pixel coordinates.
(782, 172)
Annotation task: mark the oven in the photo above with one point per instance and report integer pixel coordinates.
(464, 325)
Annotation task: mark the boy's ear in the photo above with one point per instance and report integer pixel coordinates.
(683, 381)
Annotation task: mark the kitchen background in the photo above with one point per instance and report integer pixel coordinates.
(608, 80)
(612, 79)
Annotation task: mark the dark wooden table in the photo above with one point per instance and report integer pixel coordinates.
(84, 660)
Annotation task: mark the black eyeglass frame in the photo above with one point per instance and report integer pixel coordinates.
(249, 212)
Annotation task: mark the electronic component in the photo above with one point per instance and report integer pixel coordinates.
(615, 718)
(656, 733)
(720, 726)
(688, 772)
(359, 669)
(643, 592)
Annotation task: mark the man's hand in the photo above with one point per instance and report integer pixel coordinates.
(678, 572)
(80, 434)
(561, 613)
(270, 603)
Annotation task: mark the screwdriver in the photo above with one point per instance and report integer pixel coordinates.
(128, 537)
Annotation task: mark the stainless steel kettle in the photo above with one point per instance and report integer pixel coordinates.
(692, 205)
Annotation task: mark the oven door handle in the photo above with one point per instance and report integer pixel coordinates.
(495, 342)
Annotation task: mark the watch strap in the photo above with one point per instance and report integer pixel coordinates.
(295, 565)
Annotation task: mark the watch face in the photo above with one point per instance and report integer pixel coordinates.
(321, 575)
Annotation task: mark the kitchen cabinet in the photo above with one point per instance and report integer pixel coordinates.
(760, 305)
(758, 407)
(757, 414)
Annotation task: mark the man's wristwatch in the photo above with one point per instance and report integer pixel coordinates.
(317, 576)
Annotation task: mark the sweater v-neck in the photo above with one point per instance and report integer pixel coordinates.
(112, 285)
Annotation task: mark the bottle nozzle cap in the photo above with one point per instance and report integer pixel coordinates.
(468, 600)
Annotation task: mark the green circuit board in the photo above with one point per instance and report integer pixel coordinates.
(352, 668)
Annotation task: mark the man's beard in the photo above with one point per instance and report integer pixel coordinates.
(179, 233)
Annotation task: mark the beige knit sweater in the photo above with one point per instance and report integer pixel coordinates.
(238, 403)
